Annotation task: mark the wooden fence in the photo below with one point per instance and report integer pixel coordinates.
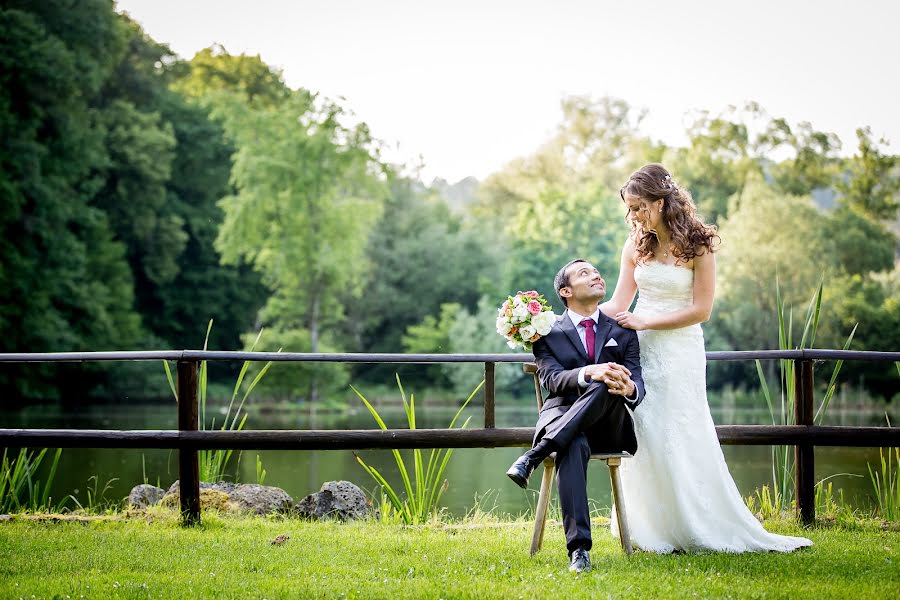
(803, 435)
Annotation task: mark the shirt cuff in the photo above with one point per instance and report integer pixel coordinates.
(581, 381)
(635, 398)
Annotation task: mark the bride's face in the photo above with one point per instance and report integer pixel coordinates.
(645, 213)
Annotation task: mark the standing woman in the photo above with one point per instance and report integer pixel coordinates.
(680, 494)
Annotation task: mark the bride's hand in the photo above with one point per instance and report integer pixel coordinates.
(630, 320)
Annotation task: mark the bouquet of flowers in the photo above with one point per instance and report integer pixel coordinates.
(524, 318)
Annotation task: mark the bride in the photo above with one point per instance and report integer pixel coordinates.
(681, 496)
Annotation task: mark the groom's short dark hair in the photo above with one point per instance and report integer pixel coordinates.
(562, 279)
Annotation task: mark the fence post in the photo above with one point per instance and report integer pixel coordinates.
(188, 465)
(489, 395)
(804, 453)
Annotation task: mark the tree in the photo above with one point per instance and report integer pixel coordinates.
(558, 227)
(872, 180)
(813, 160)
(858, 245)
(64, 282)
(421, 255)
(307, 194)
(589, 149)
(869, 303)
(770, 235)
(214, 70)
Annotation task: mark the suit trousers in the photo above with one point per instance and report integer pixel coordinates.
(592, 424)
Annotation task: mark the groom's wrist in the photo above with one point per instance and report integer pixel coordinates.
(584, 379)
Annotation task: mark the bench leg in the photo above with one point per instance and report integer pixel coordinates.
(540, 517)
(624, 535)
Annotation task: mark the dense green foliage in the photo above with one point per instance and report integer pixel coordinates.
(235, 557)
(143, 194)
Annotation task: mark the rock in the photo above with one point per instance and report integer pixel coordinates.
(221, 486)
(336, 500)
(144, 495)
(261, 499)
(209, 499)
(5, 518)
(230, 497)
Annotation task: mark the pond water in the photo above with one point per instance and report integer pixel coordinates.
(471, 473)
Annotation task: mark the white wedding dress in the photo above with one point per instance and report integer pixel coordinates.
(678, 492)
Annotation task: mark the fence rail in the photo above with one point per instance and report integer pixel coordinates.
(804, 435)
(367, 439)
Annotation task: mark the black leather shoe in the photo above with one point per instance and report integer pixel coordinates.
(581, 561)
(521, 470)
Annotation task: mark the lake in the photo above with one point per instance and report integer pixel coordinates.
(471, 472)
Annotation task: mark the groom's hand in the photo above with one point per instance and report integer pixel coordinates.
(616, 377)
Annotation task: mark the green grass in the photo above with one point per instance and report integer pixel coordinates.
(233, 558)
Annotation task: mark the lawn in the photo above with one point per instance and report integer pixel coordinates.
(230, 557)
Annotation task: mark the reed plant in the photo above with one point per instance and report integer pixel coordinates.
(781, 403)
(424, 489)
(886, 481)
(214, 463)
(96, 501)
(20, 486)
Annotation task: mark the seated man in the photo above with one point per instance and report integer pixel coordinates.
(591, 368)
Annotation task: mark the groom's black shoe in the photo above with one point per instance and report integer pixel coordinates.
(525, 465)
(581, 561)
(521, 470)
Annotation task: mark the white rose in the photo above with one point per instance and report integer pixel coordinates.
(503, 326)
(527, 332)
(543, 322)
(520, 313)
(512, 344)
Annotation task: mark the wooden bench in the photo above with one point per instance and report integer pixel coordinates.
(612, 460)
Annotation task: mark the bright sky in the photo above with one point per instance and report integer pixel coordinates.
(470, 85)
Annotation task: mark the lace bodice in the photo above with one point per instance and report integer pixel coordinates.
(663, 288)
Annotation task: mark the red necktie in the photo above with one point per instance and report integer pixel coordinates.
(588, 325)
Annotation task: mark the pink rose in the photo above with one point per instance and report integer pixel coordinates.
(534, 307)
(532, 294)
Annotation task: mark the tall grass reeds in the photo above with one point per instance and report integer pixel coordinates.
(95, 497)
(886, 481)
(781, 408)
(214, 463)
(20, 487)
(425, 488)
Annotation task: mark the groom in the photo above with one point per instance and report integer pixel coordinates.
(591, 368)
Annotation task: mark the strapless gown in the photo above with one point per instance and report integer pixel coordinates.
(678, 491)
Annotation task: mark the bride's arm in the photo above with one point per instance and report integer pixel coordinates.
(625, 286)
(697, 312)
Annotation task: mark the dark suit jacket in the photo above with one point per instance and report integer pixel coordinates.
(560, 355)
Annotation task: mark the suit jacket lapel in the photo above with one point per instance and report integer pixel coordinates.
(567, 327)
(603, 329)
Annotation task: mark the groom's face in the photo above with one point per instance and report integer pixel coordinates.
(585, 283)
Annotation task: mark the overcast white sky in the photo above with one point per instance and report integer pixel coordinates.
(470, 85)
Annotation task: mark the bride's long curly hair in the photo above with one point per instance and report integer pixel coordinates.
(690, 235)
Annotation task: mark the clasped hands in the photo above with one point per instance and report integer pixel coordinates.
(616, 377)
